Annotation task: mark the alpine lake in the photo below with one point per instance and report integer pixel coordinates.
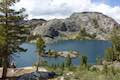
(90, 48)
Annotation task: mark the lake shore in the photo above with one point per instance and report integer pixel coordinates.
(15, 72)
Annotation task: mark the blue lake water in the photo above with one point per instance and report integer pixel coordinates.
(90, 48)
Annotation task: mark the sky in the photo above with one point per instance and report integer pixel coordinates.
(50, 9)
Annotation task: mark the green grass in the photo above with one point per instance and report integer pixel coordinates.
(82, 73)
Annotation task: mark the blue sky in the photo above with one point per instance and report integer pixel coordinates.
(49, 9)
(109, 2)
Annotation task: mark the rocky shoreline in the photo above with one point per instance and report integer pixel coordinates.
(25, 73)
(15, 72)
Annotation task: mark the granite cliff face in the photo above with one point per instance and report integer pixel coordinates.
(92, 23)
(33, 23)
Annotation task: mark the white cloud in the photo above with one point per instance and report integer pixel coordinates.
(62, 8)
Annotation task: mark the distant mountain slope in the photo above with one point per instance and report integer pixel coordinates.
(92, 24)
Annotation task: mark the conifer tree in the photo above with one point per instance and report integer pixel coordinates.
(13, 34)
(84, 61)
(40, 44)
(68, 61)
(115, 39)
(113, 53)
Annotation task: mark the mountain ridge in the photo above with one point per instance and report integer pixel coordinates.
(94, 25)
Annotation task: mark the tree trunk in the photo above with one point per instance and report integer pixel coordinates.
(5, 66)
(5, 59)
(38, 64)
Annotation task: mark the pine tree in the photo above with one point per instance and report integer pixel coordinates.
(2, 36)
(40, 44)
(113, 53)
(109, 56)
(62, 66)
(68, 61)
(84, 61)
(115, 39)
(13, 33)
